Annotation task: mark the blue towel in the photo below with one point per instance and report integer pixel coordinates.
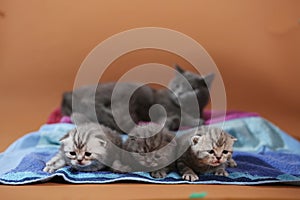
(264, 154)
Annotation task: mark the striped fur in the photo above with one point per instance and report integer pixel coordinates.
(88, 147)
(149, 148)
(209, 151)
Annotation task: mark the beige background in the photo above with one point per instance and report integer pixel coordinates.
(255, 44)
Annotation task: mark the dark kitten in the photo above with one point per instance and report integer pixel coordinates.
(88, 147)
(184, 89)
(149, 148)
(99, 108)
(209, 151)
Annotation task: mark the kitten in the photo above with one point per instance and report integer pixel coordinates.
(100, 108)
(209, 151)
(183, 88)
(149, 148)
(181, 92)
(88, 147)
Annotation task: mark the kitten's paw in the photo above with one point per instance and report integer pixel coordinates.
(118, 167)
(232, 163)
(54, 164)
(159, 174)
(49, 168)
(190, 177)
(221, 172)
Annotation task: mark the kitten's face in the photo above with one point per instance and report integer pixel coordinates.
(185, 84)
(151, 159)
(84, 148)
(214, 147)
(146, 143)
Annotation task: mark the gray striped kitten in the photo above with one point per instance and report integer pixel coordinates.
(209, 151)
(88, 147)
(149, 148)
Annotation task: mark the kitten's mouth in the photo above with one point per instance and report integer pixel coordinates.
(216, 163)
(82, 163)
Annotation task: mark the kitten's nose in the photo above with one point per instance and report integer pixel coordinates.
(218, 158)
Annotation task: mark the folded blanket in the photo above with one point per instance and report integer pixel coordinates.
(264, 154)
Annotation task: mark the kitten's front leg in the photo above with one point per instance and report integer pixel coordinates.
(186, 172)
(190, 176)
(161, 173)
(118, 167)
(231, 163)
(55, 163)
(221, 172)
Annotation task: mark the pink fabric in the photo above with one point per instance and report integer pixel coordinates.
(56, 117)
(210, 117)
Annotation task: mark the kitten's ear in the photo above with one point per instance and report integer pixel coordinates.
(179, 69)
(234, 139)
(102, 142)
(209, 79)
(231, 137)
(195, 139)
(67, 135)
(64, 137)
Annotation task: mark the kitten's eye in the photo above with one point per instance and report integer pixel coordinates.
(225, 152)
(142, 154)
(72, 153)
(211, 152)
(157, 156)
(87, 154)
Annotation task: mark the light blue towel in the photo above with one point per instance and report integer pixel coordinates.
(264, 154)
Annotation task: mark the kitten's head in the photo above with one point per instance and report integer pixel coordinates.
(212, 146)
(151, 145)
(85, 147)
(187, 83)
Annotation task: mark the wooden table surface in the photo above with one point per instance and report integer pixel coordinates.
(137, 191)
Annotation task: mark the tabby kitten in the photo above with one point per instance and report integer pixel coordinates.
(88, 147)
(209, 151)
(149, 148)
(187, 90)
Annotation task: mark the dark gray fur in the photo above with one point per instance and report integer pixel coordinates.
(141, 101)
(182, 93)
(82, 98)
